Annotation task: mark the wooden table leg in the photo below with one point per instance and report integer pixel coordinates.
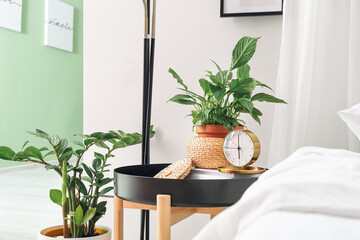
(118, 218)
(163, 204)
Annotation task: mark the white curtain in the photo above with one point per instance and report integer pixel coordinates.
(319, 74)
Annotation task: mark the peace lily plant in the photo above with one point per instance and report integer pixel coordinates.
(83, 184)
(228, 93)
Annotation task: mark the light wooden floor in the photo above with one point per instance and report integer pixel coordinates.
(25, 206)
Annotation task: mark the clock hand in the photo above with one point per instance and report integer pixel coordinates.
(239, 154)
(238, 141)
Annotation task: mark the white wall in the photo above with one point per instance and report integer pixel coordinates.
(189, 34)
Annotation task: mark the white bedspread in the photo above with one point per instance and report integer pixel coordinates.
(312, 181)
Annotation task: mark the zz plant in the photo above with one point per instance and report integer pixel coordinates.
(226, 95)
(82, 184)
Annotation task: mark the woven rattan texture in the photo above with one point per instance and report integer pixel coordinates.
(206, 152)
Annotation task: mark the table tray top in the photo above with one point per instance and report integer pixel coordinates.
(136, 184)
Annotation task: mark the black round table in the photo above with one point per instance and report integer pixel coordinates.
(174, 199)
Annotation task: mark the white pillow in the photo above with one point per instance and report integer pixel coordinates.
(351, 117)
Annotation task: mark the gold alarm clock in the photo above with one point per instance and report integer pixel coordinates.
(241, 148)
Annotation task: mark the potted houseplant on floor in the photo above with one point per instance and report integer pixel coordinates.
(226, 95)
(83, 185)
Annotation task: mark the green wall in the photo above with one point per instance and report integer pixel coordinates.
(40, 87)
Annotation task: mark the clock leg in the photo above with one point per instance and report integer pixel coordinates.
(163, 204)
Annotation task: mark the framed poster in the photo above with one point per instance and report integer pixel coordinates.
(59, 25)
(234, 8)
(10, 14)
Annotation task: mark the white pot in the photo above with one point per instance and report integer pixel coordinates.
(105, 236)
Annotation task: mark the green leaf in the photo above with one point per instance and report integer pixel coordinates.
(80, 185)
(42, 134)
(256, 118)
(97, 135)
(244, 86)
(48, 167)
(247, 104)
(19, 156)
(243, 71)
(228, 126)
(243, 52)
(115, 133)
(80, 144)
(233, 121)
(101, 205)
(207, 112)
(67, 153)
(205, 85)
(122, 133)
(49, 153)
(55, 140)
(33, 152)
(102, 182)
(43, 149)
(99, 176)
(89, 215)
(220, 75)
(96, 163)
(24, 145)
(177, 77)
(6, 153)
(78, 152)
(61, 146)
(102, 145)
(99, 155)
(87, 179)
(76, 169)
(110, 135)
(228, 75)
(106, 190)
(56, 196)
(183, 101)
(181, 97)
(128, 140)
(119, 144)
(263, 97)
(90, 140)
(218, 92)
(258, 83)
(87, 170)
(234, 85)
(257, 112)
(79, 215)
(212, 77)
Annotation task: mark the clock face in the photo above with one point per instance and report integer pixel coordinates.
(241, 147)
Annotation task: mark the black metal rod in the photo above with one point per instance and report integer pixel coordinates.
(144, 144)
(147, 102)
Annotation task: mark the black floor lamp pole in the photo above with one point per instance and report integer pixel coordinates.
(149, 51)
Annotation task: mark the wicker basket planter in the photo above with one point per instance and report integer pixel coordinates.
(207, 152)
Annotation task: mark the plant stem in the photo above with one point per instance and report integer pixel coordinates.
(64, 207)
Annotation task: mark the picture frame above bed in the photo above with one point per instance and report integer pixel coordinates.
(239, 8)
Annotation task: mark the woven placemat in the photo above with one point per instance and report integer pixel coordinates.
(206, 152)
(177, 170)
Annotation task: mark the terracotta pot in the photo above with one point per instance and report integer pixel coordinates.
(218, 131)
(53, 232)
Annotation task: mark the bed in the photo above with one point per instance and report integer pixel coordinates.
(313, 194)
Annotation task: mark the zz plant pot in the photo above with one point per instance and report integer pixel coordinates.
(206, 150)
(53, 232)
